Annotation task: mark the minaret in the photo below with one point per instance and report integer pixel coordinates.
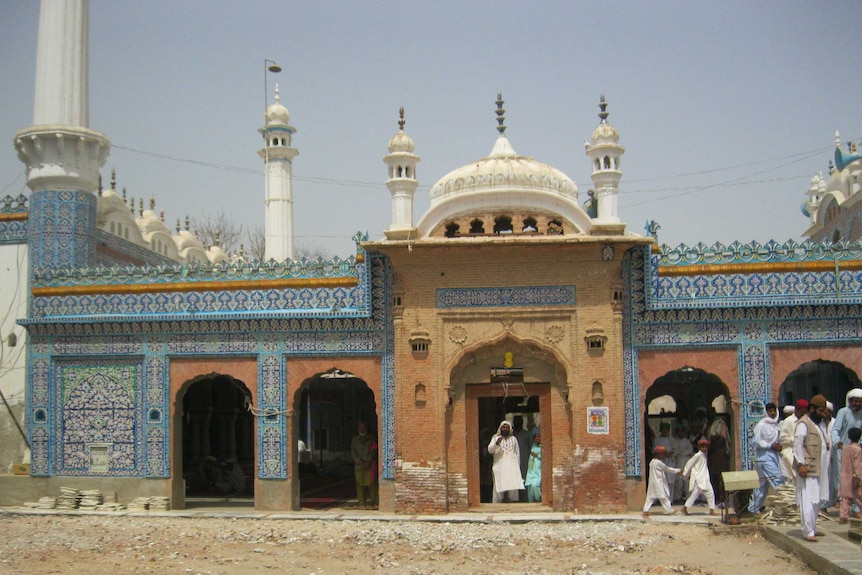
(62, 154)
(402, 182)
(278, 166)
(604, 153)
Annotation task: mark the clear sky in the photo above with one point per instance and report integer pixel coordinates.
(726, 109)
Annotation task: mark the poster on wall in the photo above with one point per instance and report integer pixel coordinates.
(597, 420)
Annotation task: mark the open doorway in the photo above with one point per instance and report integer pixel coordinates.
(830, 378)
(686, 405)
(218, 456)
(331, 407)
(527, 408)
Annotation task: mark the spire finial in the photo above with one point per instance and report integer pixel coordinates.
(277, 97)
(501, 115)
(401, 121)
(603, 106)
(114, 179)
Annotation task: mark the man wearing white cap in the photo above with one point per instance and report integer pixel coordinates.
(785, 437)
(846, 418)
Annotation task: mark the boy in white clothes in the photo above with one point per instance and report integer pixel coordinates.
(658, 488)
(698, 473)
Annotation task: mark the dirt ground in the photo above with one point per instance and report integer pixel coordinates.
(98, 544)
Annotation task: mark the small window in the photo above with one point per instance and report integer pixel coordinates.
(452, 230)
(530, 225)
(419, 347)
(503, 225)
(595, 343)
(607, 162)
(477, 226)
(396, 301)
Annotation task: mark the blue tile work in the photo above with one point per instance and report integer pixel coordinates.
(99, 404)
(657, 318)
(503, 297)
(257, 303)
(64, 350)
(835, 286)
(13, 220)
(61, 229)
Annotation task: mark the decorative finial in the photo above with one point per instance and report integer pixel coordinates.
(837, 139)
(187, 222)
(114, 179)
(603, 106)
(140, 207)
(277, 97)
(152, 203)
(100, 183)
(124, 195)
(401, 121)
(162, 215)
(178, 225)
(501, 115)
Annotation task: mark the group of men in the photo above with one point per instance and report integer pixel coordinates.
(517, 462)
(819, 453)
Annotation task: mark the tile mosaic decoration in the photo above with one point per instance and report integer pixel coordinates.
(77, 348)
(62, 229)
(99, 404)
(749, 311)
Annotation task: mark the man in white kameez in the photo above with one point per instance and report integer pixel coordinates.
(826, 492)
(787, 427)
(809, 450)
(697, 471)
(658, 489)
(848, 416)
(507, 464)
(682, 451)
(766, 449)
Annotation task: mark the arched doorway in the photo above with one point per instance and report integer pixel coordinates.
(691, 403)
(217, 441)
(500, 380)
(830, 378)
(330, 407)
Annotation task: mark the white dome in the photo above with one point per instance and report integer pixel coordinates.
(503, 168)
(401, 142)
(605, 133)
(276, 113)
(503, 181)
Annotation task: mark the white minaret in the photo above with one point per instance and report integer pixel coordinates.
(278, 164)
(62, 154)
(402, 182)
(604, 153)
(59, 149)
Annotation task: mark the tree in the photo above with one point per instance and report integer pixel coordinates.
(256, 248)
(218, 229)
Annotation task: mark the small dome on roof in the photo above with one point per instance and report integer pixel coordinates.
(401, 142)
(276, 113)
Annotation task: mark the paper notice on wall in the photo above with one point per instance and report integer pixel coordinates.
(597, 420)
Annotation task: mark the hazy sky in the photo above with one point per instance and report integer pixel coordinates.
(726, 109)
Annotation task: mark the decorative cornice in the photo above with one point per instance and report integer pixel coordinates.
(754, 268)
(196, 286)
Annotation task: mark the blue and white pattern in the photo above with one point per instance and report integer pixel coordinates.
(506, 297)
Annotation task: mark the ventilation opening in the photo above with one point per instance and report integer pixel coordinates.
(477, 227)
(503, 225)
(452, 230)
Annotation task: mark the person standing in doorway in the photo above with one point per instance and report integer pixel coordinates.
(364, 452)
(788, 426)
(507, 464)
(533, 482)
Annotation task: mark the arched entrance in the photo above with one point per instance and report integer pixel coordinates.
(830, 378)
(217, 439)
(330, 406)
(500, 380)
(685, 405)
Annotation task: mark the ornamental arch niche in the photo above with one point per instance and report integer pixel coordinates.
(499, 380)
(328, 407)
(216, 440)
(700, 403)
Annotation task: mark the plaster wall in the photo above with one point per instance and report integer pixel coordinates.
(13, 305)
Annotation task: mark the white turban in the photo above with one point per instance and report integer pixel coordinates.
(830, 406)
(788, 409)
(502, 423)
(856, 392)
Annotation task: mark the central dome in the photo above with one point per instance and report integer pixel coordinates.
(503, 169)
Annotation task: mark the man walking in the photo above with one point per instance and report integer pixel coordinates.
(767, 464)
